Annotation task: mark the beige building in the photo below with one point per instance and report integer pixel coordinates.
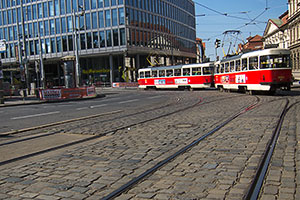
(276, 33)
(294, 23)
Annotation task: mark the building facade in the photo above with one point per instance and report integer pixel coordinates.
(114, 38)
(277, 32)
(294, 32)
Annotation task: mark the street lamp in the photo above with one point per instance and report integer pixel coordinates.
(77, 65)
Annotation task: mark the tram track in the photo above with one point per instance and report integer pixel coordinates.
(94, 137)
(254, 189)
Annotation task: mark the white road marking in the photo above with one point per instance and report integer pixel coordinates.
(153, 97)
(128, 101)
(98, 106)
(36, 115)
(83, 108)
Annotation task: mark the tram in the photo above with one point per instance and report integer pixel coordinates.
(190, 76)
(262, 70)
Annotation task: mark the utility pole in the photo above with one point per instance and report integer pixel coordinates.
(1, 85)
(77, 64)
(25, 61)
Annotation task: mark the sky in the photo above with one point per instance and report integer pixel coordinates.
(250, 17)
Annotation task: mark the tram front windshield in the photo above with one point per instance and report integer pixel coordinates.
(275, 61)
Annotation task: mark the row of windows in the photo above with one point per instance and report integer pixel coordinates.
(194, 71)
(254, 63)
(162, 6)
(93, 20)
(154, 22)
(102, 39)
(61, 6)
(10, 16)
(168, 11)
(160, 41)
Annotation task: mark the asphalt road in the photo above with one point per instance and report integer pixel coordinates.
(25, 116)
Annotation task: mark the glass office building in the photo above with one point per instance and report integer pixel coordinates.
(115, 37)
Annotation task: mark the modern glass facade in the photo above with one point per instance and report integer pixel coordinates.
(114, 36)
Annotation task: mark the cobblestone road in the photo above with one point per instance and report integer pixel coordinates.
(220, 167)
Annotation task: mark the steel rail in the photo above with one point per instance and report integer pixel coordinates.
(160, 164)
(257, 182)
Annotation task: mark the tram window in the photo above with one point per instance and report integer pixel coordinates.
(238, 65)
(147, 74)
(253, 63)
(142, 74)
(196, 71)
(222, 68)
(244, 64)
(170, 72)
(232, 66)
(207, 70)
(154, 73)
(275, 61)
(226, 67)
(177, 72)
(186, 71)
(162, 73)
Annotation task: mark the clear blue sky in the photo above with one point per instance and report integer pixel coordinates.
(248, 16)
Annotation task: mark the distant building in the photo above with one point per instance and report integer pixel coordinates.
(276, 33)
(200, 51)
(253, 43)
(294, 32)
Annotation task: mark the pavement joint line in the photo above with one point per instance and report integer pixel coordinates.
(57, 123)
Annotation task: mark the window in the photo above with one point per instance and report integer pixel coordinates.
(154, 73)
(51, 9)
(108, 38)
(63, 25)
(147, 74)
(113, 2)
(45, 9)
(161, 73)
(253, 63)
(87, 4)
(68, 6)
(142, 74)
(238, 65)
(107, 18)
(53, 45)
(58, 42)
(70, 42)
(100, 3)
(122, 36)
(121, 16)
(114, 17)
(41, 27)
(56, 10)
(101, 19)
(177, 72)
(47, 27)
(116, 37)
(88, 21)
(196, 71)
(47, 45)
(232, 66)
(94, 20)
(244, 64)
(94, 4)
(65, 43)
(29, 13)
(207, 70)
(169, 72)
(34, 13)
(186, 71)
(106, 3)
(95, 40)
(57, 24)
(102, 39)
(275, 61)
(120, 2)
(52, 27)
(226, 68)
(82, 41)
(62, 8)
(89, 40)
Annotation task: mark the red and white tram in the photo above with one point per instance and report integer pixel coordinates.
(189, 76)
(263, 70)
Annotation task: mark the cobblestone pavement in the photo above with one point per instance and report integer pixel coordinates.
(219, 167)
